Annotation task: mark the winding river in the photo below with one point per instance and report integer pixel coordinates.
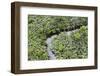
(50, 50)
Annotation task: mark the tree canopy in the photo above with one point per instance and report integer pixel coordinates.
(40, 27)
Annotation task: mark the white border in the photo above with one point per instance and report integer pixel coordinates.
(25, 64)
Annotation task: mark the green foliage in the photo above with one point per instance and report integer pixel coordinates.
(71, 46)
(65, 46)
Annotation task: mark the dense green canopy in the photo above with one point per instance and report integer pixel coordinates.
(66, 46)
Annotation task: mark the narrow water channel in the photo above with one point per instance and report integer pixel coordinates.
(50, 51)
